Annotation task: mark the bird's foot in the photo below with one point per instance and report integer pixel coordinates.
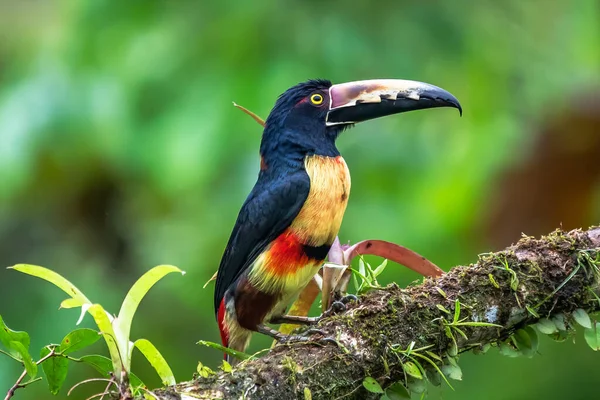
(348, 298)
(339, 306)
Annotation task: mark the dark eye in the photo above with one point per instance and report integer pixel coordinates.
(316, 99)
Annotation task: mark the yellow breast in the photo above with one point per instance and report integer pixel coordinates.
(319, 220)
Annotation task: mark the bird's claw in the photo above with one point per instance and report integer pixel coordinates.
(336, 307)
(348, 298)
(302, 338)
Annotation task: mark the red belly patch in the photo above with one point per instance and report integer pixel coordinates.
(286, 255)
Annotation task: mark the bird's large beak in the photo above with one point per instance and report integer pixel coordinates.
(358, 101)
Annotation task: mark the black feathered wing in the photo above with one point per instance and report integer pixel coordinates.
(268, 211)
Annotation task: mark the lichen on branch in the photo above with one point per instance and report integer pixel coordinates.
(469, 308)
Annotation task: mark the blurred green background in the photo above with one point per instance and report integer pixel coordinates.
(120, 150)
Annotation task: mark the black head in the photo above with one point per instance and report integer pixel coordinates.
(308, 117)
(297, 125)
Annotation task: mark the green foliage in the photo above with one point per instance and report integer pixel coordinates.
(55, 369)
(237, 354)
(115, 330)
(372, 385)
(592, 336)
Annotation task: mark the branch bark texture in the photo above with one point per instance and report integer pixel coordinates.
(532, 279)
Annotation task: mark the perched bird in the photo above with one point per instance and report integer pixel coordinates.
(293, 214)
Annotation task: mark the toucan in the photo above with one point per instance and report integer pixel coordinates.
(292, 216)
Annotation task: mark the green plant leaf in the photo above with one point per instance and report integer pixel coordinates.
(433, 355)
(582, 318)
(106, 329)
(7, 336)
(452, 371)
(411, 369)
(526, 341)
(237, 354)
(545, 326)
(226, 367)
(417, 385)
(23, 355)
(456, 310)
(508, 350)
(55, 369)
(157, 361)
(442, 308)
(380, 268)
(559, 321)
(372, 385)
(99, 363)
(203, 370)
(453, 349)
(397, 391)
(131, 302)
(71, 303)
(78, 339)
(592, 336)
(54, 278)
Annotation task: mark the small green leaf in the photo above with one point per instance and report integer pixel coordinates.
(54, 278)
(361, 269)
(226, 367)
(453, 349)
(380, 268)
(460, 332)
(452, 372)
(411, 369)
(372, 385)
(533, 336)
(442, 308)
(433, 355)
(237, 354)
(456, 310)
(592, 336)
(417, 385)
(532, 312)
(307, 393)
(582, 318)
(526, 341)
(546, 326)
(442, 293)
(559, 321)
(23, 355)
(452, 360)
(78, 339)
(156, 360)
(71, 303)
(397, 391)
(7, 335)
(514, 281)
(508, 350)
(493, 281)
(204, 371)
(99, 363)
(55, 369)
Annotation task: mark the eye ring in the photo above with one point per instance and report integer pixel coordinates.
(316, 99)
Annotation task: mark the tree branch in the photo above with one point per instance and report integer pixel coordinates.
(533, 279)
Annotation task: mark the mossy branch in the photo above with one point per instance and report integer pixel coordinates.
(513, 288)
